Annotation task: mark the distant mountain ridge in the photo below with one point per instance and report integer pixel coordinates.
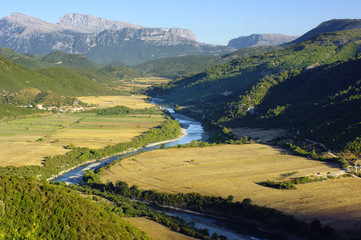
(257, 40)
(330, 26)
(101, 40)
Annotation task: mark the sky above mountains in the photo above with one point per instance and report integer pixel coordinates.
(212, 21)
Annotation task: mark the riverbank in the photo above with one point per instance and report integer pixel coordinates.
(91, 161)
(183, 134)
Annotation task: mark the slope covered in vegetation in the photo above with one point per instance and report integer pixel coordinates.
(181, 66)
(235, 94)
(67, 82)
(30, 209)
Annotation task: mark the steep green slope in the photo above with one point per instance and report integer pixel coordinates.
(323, 103)
(29, 61)
(14, 77)
(222, 82)
(233, 93)
(182, 66)
(30, 209)
(330, 26)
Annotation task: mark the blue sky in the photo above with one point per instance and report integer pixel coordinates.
(212, 21)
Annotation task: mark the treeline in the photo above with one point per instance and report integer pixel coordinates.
(225, 207)
(291, 184)
(33, 209)
(53, 165)
(122, 110)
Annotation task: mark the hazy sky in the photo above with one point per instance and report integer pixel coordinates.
(212, 21)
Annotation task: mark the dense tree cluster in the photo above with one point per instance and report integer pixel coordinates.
(30, 209)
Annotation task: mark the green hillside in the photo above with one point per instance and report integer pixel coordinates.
(30, 209)
(181, 66)
(234, 93)
(62, 81)
(29, 61)
(324, 103)
(68, 60)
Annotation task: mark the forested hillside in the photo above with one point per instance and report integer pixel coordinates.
(14, 77)
(181, 66)
(235, 94)
(30, 209)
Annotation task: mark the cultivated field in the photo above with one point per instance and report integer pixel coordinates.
(237, 169)
(27, 141)
(139, 83)
(155, 230)
(134, 101)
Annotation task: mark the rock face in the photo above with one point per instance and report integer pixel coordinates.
(101, 40)
(330, 26)
(256, 40)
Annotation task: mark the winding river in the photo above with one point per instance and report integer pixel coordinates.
(194, 131)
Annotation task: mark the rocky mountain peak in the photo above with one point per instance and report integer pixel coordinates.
(89, 23)
(256, 40)
(30, 23)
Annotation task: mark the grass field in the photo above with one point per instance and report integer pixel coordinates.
(134, 101)
(155, 230)
(237, 169)
(27, 141)
(139, 83)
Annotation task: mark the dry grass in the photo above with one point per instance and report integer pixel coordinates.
(139, 83)
(28, 141)
(26, 153)
(156, 230)
(134, 101)
(236, 170)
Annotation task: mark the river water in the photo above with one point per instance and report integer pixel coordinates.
(194, 131)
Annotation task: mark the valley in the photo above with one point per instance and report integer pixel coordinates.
(109, 121)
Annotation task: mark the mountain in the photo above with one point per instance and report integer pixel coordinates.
(233, 94)
(101, 40)
(181, 66)
(330, 26)
(255, 40)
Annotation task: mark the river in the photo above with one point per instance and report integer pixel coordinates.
(194, 131)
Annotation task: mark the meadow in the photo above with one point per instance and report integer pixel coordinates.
(237, 170)
(27, 141)
(133, 101)
(139, 83)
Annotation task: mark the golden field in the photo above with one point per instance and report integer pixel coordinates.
(236, 170)
(155, 230)
(139, 83)
(134, 101)
(27, 141)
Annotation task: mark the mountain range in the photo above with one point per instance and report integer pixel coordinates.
(257, 40)
(101, 40)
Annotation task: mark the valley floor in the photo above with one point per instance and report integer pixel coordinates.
(237, 170)
(27, 141)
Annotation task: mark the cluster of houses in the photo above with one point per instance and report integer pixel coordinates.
(66, 108)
